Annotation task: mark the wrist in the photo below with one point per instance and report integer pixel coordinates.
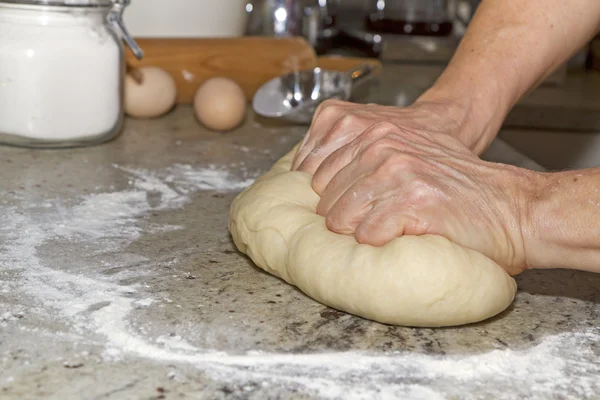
(560, 231)
(529, 209)
(520, 188)
(472, 121)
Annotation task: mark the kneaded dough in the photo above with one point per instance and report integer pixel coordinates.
(425, 281)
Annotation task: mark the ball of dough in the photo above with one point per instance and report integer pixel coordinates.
(220, 104)
(150, 93)
(424, 280)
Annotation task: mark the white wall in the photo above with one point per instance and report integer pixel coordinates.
(186, 18)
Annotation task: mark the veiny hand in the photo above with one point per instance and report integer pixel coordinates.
(381, 180)
(336, 123)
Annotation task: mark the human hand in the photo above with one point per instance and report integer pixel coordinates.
(380, 180)
(336, 123)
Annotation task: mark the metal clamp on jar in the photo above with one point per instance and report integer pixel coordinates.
(61, 71)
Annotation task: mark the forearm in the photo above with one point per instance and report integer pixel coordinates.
(562, 221)
(509, 48)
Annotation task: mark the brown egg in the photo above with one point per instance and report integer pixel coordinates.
(220, 104)
(149, 92)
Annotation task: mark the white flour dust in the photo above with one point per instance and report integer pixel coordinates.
(97, 226)
(71, 287)
(181, 179)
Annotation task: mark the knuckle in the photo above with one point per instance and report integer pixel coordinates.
(329, 113)
(378, 148)
(329, 107)
(371, 134)
(385, 143)
(399, 162)
(339, 133)
(350, 119)
(384, 126)
(319, 109)
(421, 194)
(344, 122)
(377, 132)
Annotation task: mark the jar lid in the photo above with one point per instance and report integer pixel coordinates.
(64, 3)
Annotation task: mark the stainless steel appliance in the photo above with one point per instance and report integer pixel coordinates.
(295, 96)
(315, 20)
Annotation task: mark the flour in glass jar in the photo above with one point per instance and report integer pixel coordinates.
(60, 73)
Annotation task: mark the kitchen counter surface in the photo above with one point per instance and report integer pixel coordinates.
(118, 280)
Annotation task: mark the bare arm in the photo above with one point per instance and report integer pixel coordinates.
(562, 229)
(383, 172)
(509, 48)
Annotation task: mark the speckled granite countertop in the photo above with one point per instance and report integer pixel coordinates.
(118, 280)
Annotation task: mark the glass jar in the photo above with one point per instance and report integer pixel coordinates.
(61, 71)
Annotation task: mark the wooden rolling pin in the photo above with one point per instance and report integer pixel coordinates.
(250, 61)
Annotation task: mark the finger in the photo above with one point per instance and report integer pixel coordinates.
(351, 207)
(340, 158)
(322, 123)
(360, 187)
(327, 104)
(389, 219)
(382, 164)
(301, 151)
(341, 133)
(330, 167)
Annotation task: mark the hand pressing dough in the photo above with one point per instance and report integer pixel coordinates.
(424, 281)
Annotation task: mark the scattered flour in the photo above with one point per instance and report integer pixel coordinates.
(561, 366)
(175, 182)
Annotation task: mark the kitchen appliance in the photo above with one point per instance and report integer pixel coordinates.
(314, 20)
(295, 96)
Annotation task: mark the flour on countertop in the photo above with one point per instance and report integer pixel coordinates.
(96, 305)
(181, 179)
